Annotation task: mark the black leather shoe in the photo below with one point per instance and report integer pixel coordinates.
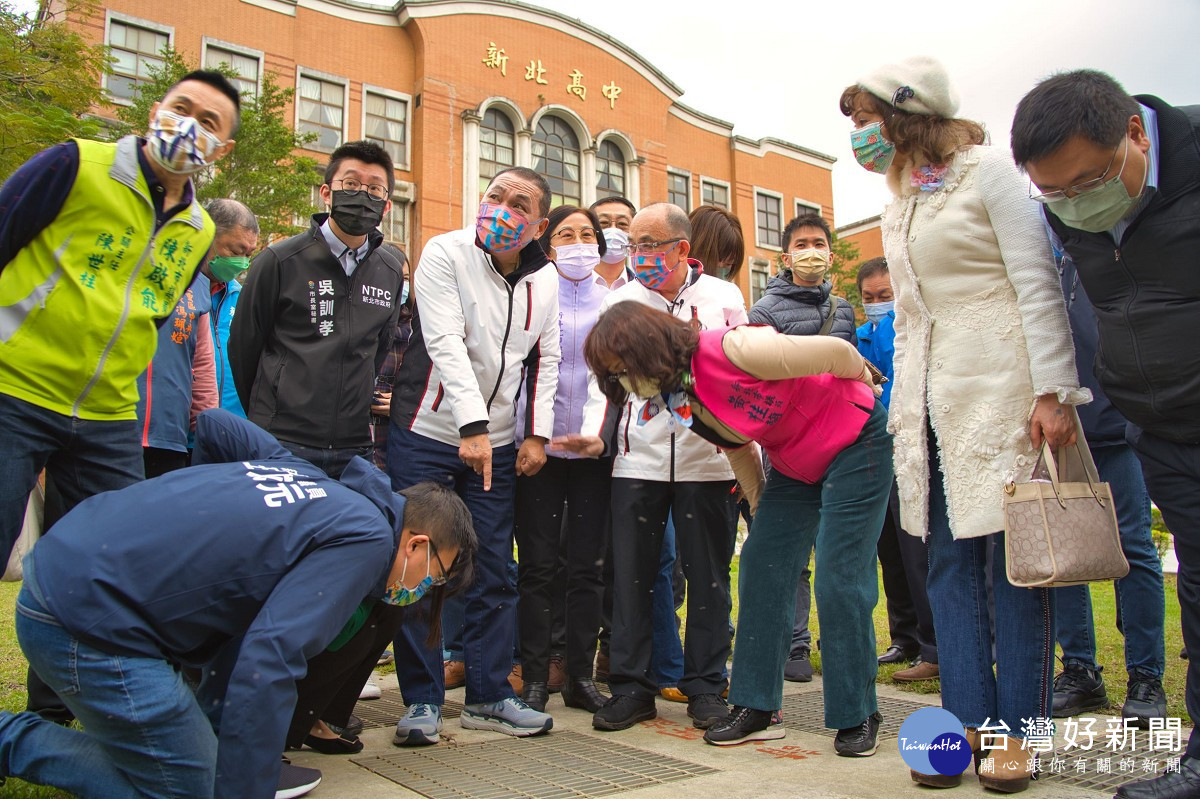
(622, 712)
(334, 746)
(536, 695)
(744, 724)
(353, 728)
(582, 693)
(1145, 700)
(861, 740)
(1182, 785)
(898, 654)
(1078, 689)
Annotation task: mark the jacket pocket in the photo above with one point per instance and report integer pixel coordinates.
(437, 401)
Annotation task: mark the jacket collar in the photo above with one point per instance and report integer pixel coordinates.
(130, 164)
(782, 285)
(1179, 149)
(374, 237)
(533, 258)
(375, 486)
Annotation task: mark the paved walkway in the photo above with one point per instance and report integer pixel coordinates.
(654, 760)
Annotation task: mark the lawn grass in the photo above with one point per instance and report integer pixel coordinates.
(1110, 654)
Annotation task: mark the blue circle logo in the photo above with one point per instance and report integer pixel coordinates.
(933, 741)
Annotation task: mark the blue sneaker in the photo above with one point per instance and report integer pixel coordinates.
(419, 727)
(510, 716)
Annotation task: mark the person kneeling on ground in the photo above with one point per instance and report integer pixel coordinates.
(137, 583)
(810, 402)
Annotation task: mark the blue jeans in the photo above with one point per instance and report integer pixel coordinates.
(144, 733)
(331, 461)
(1020, 623)
(83, 457)
(1140, 602)
(490, 609)
(666, 660)
(842, 515)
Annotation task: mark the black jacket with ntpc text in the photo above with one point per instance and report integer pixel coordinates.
(1145, 289)
(307, 339)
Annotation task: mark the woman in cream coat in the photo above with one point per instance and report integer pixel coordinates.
(984, 369)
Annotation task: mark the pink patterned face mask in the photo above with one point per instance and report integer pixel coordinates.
(499, 227)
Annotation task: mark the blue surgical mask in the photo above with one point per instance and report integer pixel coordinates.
(876, 311)
(404, 293)
(398, 594)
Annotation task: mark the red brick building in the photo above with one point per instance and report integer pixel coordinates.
(457, 89)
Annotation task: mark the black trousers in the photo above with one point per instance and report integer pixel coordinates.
(334, 680)
(1172, 472)
(584, 485)
(705, 529)
(905, 561)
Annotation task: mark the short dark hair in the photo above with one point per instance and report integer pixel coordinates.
(441, 514)
(1085, 103)
(871, 268)
(652, 344)
(614, 199)
(221, 84)
(806, 220)
(716, 237)
(365, 151)
(228, 214)
(525, 173)
(560, 213)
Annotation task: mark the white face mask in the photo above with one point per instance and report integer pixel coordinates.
(617, 241)
(809, 264)
(179, 144)
(576, 261)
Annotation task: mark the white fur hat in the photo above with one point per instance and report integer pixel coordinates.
(918, 85)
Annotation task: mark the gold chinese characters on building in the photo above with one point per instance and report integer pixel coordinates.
(496, 58)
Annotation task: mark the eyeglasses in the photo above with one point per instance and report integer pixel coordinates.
(615, 377)
(1086, 186)
(566, 234)
(374, 189)
(442, 578)
(646, 247)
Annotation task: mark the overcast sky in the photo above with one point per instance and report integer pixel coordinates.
(777, 67)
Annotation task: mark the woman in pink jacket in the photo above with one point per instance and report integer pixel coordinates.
(810, 402)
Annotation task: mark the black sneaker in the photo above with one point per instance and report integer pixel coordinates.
(859, 741)
(1078, 689)
(798, 668)
(1145, 700)
(622, 712)
(706, 710)
(745, 724)
(296, 780)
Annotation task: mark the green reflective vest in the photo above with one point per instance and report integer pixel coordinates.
(78, 304)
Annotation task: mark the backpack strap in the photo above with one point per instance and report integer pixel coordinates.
(827, 323)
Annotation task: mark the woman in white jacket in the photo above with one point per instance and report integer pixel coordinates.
(984, 369)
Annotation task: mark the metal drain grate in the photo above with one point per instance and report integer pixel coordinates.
(390, 708)
(562, 765)
(1126, 765)
(805, 712)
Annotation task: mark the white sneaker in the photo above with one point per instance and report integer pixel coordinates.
(370, 691)
(420, 726)
(510, 716)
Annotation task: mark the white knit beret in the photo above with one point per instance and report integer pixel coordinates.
(918, 85)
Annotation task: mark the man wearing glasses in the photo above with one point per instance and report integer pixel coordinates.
(316, 316)
(1120, 180)
(662, 468)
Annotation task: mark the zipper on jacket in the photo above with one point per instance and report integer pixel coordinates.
(218, 351)
(628, 418)
(528, 304)
(437, 401)
(1137, 355)
(503, 342)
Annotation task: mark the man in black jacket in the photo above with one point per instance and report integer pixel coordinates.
(316, 317)
(1120, 178)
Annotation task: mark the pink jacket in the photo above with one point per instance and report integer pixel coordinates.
(802, 422)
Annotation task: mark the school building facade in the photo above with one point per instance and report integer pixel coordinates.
(458, 89)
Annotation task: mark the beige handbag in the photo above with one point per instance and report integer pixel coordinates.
(1062, 531)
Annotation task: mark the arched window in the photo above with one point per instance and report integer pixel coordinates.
(610, 171)
(497, 146)
(556, 158)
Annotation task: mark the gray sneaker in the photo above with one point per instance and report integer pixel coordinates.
(419, 727)
(510, 716)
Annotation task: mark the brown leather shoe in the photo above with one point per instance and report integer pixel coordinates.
(602, 666)
(454, 672)
(951, 781)
(920, 670)
(515, 680)
(558, 674)
(1011, 768)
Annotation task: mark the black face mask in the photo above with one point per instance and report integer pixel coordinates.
(356, 212)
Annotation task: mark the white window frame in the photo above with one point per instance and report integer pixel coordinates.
(803, 206)
(249, 52)
(681, 173)
(400, 205)
(758, 239)
(329, 77)
(408, 111)
(722, 184)
(757, 264)
(128, 19)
